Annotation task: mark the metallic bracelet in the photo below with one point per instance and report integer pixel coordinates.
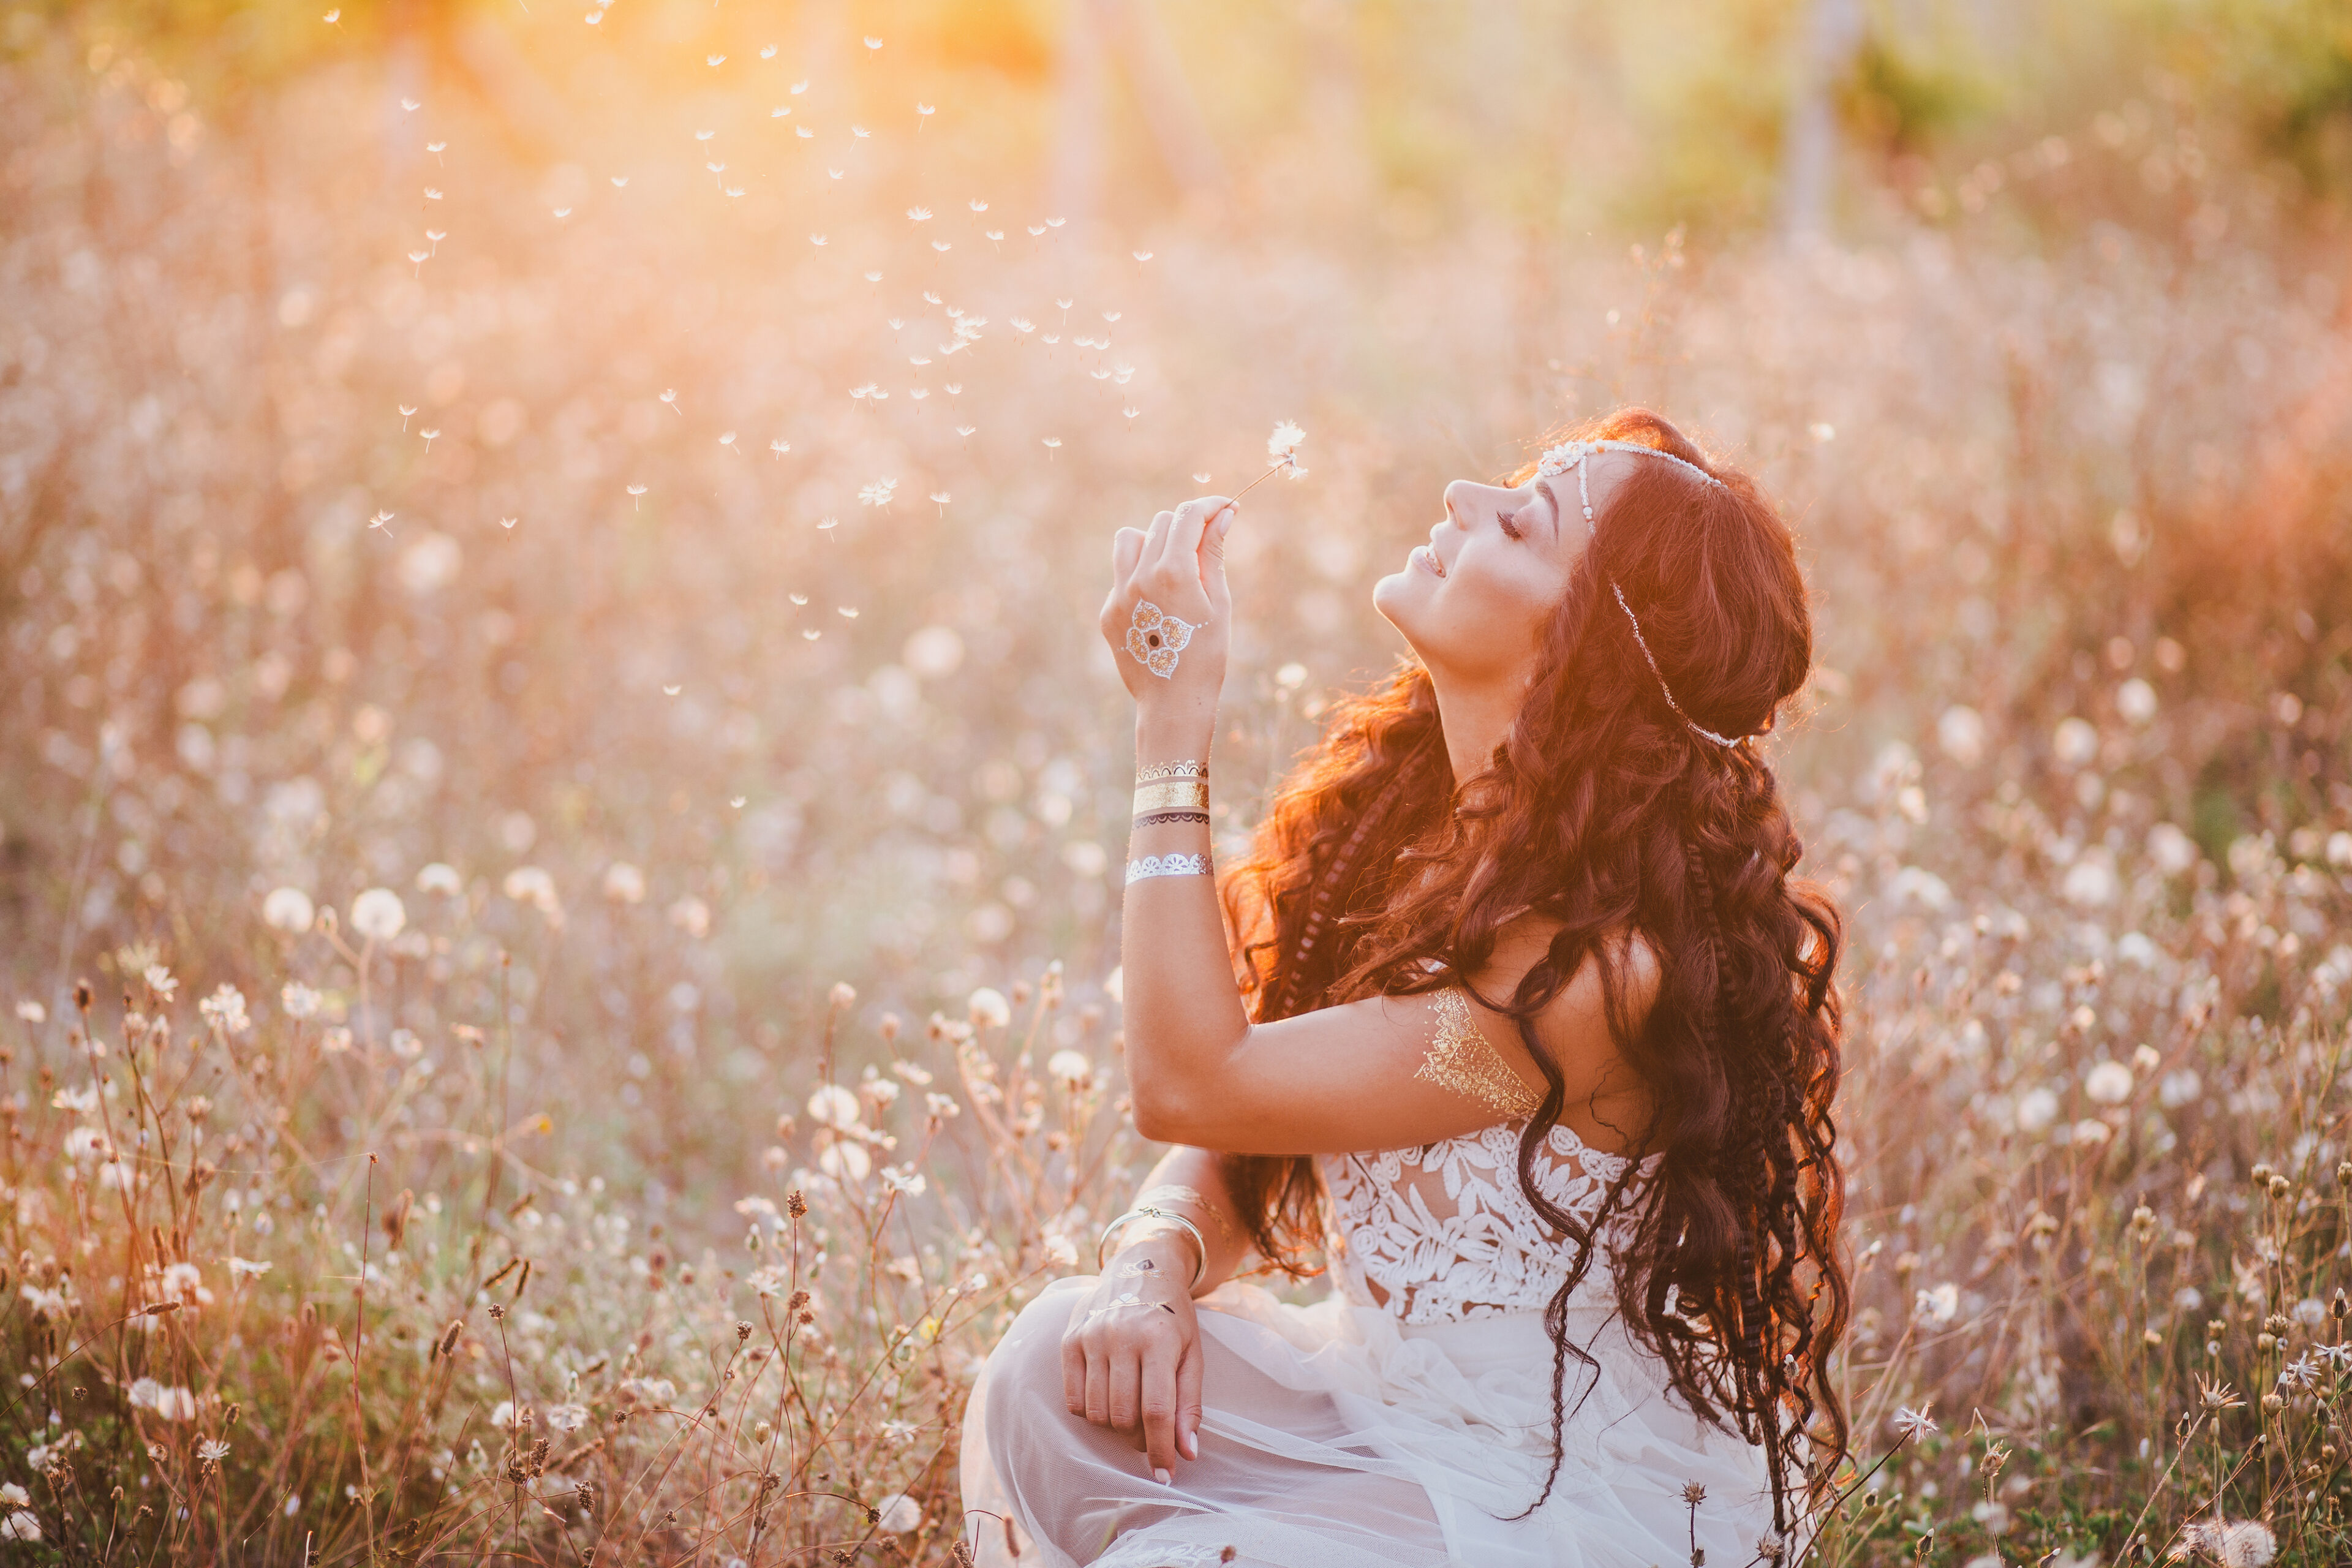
(1146, 1211)
(1175, 1193)
(1168, 866)
(1184, 769)
(1157, 817)
(1178, 794)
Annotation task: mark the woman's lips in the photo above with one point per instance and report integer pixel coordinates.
(1426, 559)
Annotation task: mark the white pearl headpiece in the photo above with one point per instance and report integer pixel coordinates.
(1558, 460)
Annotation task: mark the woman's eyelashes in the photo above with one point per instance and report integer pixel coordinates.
(1510, 523)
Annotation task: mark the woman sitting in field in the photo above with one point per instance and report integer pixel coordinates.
(1533, 1037)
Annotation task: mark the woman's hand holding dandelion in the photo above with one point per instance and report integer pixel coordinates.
(1169, 618)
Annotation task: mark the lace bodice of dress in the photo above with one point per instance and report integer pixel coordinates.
(1444, 1232)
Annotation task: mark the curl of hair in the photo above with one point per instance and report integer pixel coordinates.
(1375, 872)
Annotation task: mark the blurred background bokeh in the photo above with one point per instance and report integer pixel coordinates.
(659, 460)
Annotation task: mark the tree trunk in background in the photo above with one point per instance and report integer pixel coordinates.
(1078, 126)
(1178, 127)
(1808, 148)
(1180, 132)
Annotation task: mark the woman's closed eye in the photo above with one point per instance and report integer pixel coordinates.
(1511, 524)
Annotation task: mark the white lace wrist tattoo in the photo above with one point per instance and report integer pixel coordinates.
(1168, 866)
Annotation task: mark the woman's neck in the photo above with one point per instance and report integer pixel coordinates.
(1474, 716)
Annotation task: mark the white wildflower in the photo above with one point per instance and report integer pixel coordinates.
(299, 1001)
(378, 914)
(2036, 1110)
(987, 1006)
(1915, 1424)
(287, 909)
(20, 1524)
(623, 883)
(225, 1010)
(1070, 1067)
(844, 1162)
(832, 1106)
(2110, 1083)
(898, 1514)
(440, 878)
(899, 1180)
(1937, 1307)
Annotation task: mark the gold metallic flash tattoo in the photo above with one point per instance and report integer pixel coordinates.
(1461, 1059)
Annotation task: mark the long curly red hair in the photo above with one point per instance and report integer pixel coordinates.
(1604, 811)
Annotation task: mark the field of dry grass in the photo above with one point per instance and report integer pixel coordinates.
(559, 820)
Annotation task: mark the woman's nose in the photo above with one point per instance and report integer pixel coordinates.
(1458, 496)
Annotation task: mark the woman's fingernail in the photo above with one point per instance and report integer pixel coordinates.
(1163, 1477)
(1192, 1446)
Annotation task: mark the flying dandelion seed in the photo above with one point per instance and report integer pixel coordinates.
(716, 168)
(672, 690)
(405, 411)
(943, 498)
(799, 88)
(420, 257)
(923, 111)
(878, 493)
(671, 397)
(334, 18)
(379, 521)
(953, 388)
(1131, 413)
(804, 133)
(828, 524)
(704, 135)
(836, 173)
(895, 323)
(780, 112)
(1200, 479)
(918, 393)
(1052, 445)
(811, 635)
(1051, 338)
(1112, 315)
(780, 446)
(594, 17)
(635, 492)
(734, 190)
(1099, 375)
(872, 42)
(967, 432)
(430, 435)
(797, 598)
(562, 212)
(918, 214)
(619, 181)
(737, 801)
(874, 278)
(845, 612)
(728, 441)
(1056, 222)
(509, 522)
(1037, 228)
(768, 53)
(436, 149)
(436, 236)
(431, 195)
(930, 298)
(1066, 305)
(994, 235)
(716, 60)
(1022, 325)
(1142, 256)
(410, 104)
(940, 244)
(860, 133)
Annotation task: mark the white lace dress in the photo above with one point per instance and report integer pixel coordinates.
(1400, 1422)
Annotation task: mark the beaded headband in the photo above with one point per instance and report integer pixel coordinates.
(1570, 455)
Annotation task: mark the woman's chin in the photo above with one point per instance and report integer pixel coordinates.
(1396, 599)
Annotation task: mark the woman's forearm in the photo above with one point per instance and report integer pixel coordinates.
(1183, 1008)
(1186, 1180)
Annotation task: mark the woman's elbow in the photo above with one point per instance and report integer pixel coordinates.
(1163, 1115)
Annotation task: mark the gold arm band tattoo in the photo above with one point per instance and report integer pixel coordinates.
(1461, 1059)
(1173, 794)
(1172, 1192)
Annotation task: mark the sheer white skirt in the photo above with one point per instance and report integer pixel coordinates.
(1333, 1436)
